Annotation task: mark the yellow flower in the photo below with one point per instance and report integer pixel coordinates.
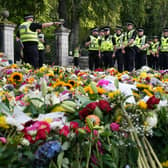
(141, 85)
(142, 104)
(16, 77)
(143, 75)
(113, 94)
(148, 93)
(101, 90)
(118, 119)
(68, 86)
(43, 69)
(158, 89)
(72, 82)
(88, 89)
(165, 164)
(3, 123)
(58, 84)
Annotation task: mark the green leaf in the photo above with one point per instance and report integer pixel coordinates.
(66, 145)
(60, 159)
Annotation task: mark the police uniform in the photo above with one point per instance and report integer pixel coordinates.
(149, 56)
(163, 57)
(154, 53)
(93, 49)
(107, 46)
(29, 37)
(41, 49)
(119, 37)
(101, 36)
(140, 54)
(76, 56)
(129, 56)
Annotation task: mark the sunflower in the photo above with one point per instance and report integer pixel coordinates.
(16, 77)
(58, 84)
(72, 82)
(68, 86)
(94, 119)
(148, 92)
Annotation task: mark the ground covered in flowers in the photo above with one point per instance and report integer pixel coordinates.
(65, 117)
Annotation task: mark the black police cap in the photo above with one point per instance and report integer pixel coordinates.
(107, 28)
(165, 29)
(118, 28)
(95, 29)
(27, 16)
(129, 23)
(140, 29)
(155, 37)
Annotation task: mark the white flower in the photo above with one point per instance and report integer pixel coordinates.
(25, 142)
(151, 121)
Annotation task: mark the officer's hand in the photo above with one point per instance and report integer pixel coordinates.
(57, 23)
(113, 56)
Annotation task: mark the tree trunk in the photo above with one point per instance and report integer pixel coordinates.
(74, 37)
(62, 11)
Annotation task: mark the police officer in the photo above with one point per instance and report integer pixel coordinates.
(76, 56)
(140, 48)
(148, 52)
(155, 53)
(108, 47)
(28, 35)
(119, 37)
(41, 47)
(92, 43)
(129, 53)
(101, 36)
(163, 57)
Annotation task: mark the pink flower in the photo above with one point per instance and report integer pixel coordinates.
(94, 160)
(103, 82)
(3, 140)
(114, 126)
(95, 132)
(64, 131)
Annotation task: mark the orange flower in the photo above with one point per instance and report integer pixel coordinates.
(94, 118)
(72, 82)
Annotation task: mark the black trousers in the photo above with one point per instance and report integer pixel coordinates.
(31, 55)
(107, 59)
(153, 61)
(129, 59)
(163, 60)
(76, 61)
(140, 58)
(120, 60)
(93, 59)
(41, 57)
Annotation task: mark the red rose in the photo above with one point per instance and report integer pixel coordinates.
(152, 101)
(91, 106)
(74, 125)
(104, 106)
(83, 113)
(64, 131)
